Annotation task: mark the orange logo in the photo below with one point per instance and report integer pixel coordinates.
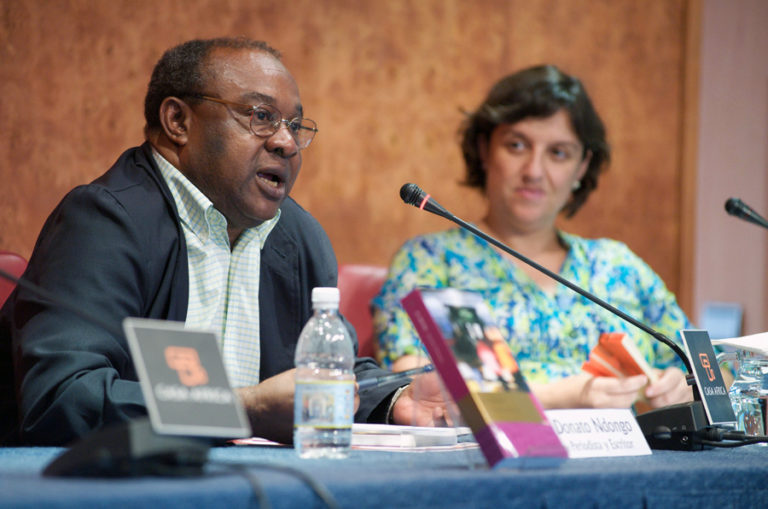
(707, 367)
(186, 362)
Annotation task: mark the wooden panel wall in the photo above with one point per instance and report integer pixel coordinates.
(385, 81)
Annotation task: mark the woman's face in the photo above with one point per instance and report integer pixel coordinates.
(531, 168)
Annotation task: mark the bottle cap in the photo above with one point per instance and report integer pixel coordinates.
(325, 297)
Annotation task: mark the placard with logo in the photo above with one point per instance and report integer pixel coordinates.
(710, 381)
(184, 381)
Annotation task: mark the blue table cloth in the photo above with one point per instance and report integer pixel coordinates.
(717, 478)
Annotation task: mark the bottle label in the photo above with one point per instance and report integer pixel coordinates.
(324, 404)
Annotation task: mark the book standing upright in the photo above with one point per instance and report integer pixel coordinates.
(481, 375)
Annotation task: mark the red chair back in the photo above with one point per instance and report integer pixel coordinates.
(13, 264)
(358, 284)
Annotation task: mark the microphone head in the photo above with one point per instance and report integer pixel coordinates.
(412, 194)
(734, 206)
(738, 208)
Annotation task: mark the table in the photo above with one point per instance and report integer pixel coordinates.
(718, 478)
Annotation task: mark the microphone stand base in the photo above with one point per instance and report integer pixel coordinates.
(131, 449)
(676, 427)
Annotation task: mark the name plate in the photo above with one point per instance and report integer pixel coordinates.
(710, 381)
(184, 380)
(598, 432)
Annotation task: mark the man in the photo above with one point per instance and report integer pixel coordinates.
(195, 225)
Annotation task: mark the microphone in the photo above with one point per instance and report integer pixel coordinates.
(738, 208)
(396, 376)
(413, 195)
(675, 427)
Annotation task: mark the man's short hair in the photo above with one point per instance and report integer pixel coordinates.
(180, 72)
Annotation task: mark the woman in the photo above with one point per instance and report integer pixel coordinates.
(536, 148)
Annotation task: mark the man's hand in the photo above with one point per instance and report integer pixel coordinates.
(269, 406)
(422, 403)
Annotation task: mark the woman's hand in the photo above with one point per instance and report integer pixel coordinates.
(610, 392)
(587, 391)
(670, 389)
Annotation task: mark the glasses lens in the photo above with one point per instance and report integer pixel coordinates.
(304, 130)
(264, 120)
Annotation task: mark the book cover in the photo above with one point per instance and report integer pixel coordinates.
(482, 376)
(616, 354)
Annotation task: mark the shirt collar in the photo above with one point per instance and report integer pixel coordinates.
(198, 212)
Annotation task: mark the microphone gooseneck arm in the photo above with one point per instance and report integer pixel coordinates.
(413, 195)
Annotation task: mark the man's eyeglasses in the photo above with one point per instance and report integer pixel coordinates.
(266, 120)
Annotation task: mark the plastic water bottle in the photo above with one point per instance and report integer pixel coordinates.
(325, 382)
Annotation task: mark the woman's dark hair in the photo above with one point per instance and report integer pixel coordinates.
(538, 92)
(180, 72)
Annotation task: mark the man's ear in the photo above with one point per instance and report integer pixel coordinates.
(175, 119)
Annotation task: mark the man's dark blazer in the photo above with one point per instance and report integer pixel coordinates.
(115, 248)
